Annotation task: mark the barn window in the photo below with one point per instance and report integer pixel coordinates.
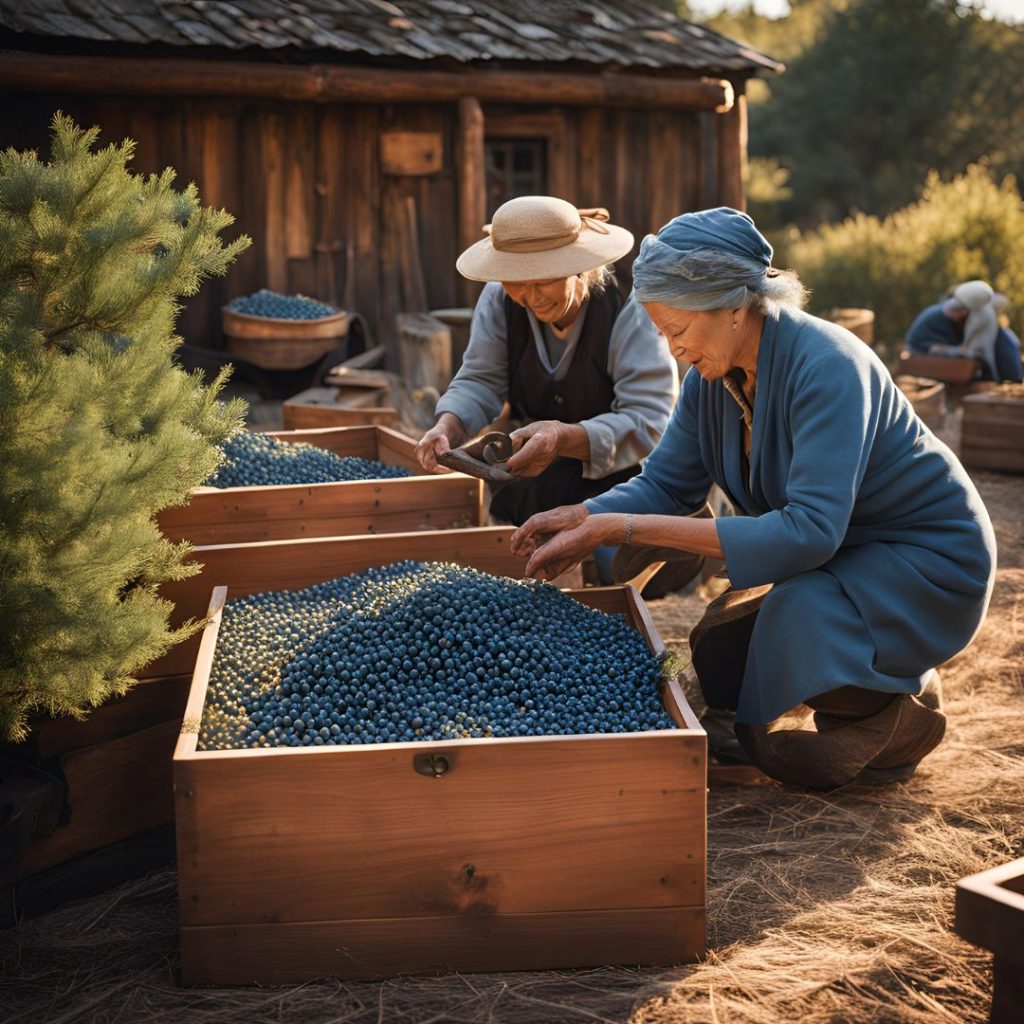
(515, 167)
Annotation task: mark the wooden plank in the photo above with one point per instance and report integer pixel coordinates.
(272, 135)
(397, 449)
(360, 441)
(299, 160)
(272, 954)
(362, 189)
(470, 174)
(188, 735)
(294, 564)
(411, 153)
(990, 908)
(591, 147)
(303, 417)
(148, 703)
(610, 822)
(330, 204)
(242, 515)
(116, 789)
(731, 129)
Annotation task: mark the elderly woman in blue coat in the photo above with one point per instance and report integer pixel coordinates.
(861, 556)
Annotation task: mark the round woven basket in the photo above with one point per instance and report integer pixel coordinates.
(275, 344)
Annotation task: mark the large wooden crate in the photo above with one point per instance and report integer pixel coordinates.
(992, 434)
(469, 855)
(112, 777)
(990, 914)
(293, 564)
(244, 514)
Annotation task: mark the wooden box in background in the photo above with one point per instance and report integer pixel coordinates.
(992, 435)
(469, 855)
(244, 514)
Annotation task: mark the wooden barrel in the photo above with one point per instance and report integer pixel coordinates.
(928, 397)
(276, 344)
(857, 321)
(993, 429)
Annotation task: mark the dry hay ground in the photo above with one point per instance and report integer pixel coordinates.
(820, 908)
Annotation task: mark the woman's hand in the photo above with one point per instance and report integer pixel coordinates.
(535, 447)
(558, 540)
(446, 433)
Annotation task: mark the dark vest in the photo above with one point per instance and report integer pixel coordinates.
(587, 389)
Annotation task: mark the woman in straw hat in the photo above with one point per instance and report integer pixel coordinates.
(862, 556)
(586, 372)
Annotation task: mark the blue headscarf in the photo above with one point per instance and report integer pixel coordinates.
(678, 266)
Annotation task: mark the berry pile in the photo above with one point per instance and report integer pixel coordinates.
(425, 651)
(256, 460)
(280, 307)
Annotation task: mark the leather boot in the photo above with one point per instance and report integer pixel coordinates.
(821, 760)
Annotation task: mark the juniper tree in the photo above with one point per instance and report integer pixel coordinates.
(99, 428)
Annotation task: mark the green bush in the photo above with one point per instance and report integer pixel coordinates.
(969, 227)
(99, 429)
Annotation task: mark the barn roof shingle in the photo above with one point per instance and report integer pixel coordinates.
(628, 33)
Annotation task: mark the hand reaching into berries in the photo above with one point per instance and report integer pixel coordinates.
(558, 540)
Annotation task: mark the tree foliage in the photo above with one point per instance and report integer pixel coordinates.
(99, 429)
(896, 265)
(876, 94)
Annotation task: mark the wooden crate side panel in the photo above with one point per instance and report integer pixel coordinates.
(277, 954)
(397, 450)
(360, 441)
(247, 514)
(303, 417)
(116, 789)
(294, 564)
(513, 827)
(149, 702)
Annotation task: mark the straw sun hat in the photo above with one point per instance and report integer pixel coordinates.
(539, 238)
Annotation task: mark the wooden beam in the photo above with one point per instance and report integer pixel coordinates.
(470, 182)
(732, 154)
(321, 83)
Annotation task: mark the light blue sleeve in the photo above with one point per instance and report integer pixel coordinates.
(832, 408)
(479, 390)
(674, 478)
(646, 383)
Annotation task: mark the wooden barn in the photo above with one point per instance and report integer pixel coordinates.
(363, 143)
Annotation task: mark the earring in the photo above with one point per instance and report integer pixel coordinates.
(734, 325)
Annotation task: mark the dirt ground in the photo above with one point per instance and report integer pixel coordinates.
(820, 908)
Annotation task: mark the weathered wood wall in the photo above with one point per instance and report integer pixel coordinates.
(305, 181)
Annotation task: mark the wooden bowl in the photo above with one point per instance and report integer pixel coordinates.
(277, 344)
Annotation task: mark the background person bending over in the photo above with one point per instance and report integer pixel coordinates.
(584, 369)
(966, 326)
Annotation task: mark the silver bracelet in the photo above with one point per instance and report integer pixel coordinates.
(629, 528)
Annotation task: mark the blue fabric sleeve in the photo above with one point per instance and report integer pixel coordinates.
(832, 408)
(674, 479)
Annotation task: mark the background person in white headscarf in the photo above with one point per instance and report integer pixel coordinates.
(966, 326)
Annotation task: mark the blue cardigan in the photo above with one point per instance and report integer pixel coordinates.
(879, 546)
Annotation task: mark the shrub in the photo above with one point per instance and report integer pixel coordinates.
(99, 430)
(969, 227)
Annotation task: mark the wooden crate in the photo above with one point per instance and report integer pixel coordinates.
(992, 434)
(337, 407)
(115, 770)
(990, 914)
(948, 369)
(525, 853)
(928, 397)
(244, 514)
(294, 564)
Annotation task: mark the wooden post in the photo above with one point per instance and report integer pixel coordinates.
(471, 182)
(732, 152)
(424, 351)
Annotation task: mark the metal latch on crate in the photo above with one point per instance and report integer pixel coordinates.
(433, 765)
